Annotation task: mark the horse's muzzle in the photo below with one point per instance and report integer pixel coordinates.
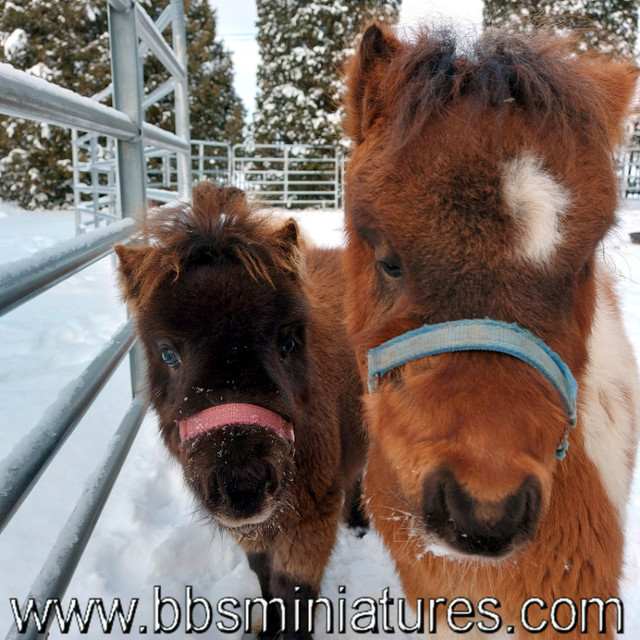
(480, 527)
(239, 472)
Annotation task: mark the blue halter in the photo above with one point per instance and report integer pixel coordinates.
(479, 335)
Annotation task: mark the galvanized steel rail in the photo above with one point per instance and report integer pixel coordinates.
(158, 45)
(22, 280)
(21, 469)
(33, 98)
(26, 96)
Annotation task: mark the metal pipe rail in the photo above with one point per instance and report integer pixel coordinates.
(22, 468)
(167, 87)
(162, 138)
(163, 195)
(26, 96)
(24, 279)
(158, 45)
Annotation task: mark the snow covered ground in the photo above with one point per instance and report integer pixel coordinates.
(149, 534)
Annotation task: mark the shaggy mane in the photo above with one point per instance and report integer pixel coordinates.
(503, 72)
(219, 227)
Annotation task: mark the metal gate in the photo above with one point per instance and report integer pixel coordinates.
(132, 32)
(291, 175)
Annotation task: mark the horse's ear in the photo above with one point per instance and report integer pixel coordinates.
(377, 46)
(131, 259)
(617, 81)
(289, 233)
(292, 245)
(233, 199)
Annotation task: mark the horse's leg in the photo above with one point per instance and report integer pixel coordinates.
(299, 562)
(353, 511)
(260, 563)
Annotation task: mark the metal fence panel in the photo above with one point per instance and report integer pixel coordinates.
(278, 175)
(58, 569)
(117, 174)
(94, 157)
(289, 175)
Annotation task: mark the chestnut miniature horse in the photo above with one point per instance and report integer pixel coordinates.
(254, 385)
(481, 185)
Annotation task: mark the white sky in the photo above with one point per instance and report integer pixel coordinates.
(237, 18)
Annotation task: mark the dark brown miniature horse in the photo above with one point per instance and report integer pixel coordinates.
(255, 388)
(480, 187)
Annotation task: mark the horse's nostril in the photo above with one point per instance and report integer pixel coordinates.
(478, 526)
(211, 489)
(271, 481)
(530, 495)
(435, 509)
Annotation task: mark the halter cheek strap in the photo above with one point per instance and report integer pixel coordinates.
(479, 335)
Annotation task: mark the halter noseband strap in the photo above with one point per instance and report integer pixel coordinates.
(479, 335)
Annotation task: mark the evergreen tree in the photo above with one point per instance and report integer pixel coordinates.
(68, 44)
(304, 46)
(65, 43)
(606, 25)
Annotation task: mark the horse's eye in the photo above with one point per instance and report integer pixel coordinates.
(171, 357)
(391, 268)
(288, 345)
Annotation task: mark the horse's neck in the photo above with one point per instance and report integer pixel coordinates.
(609, 396)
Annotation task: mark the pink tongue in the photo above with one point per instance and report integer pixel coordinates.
(234, 413)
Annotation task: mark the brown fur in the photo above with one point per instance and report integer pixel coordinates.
(434, 127)
(224, 287)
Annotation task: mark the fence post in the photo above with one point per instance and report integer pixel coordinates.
(94, 179)
(126, 74)
(112, 177)
(166, 171)
(75, 159)
(336, 178)
(127, 97)
(201, 161)
(183, 128)
(232, 166)
(285, 197)
(342, 170)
